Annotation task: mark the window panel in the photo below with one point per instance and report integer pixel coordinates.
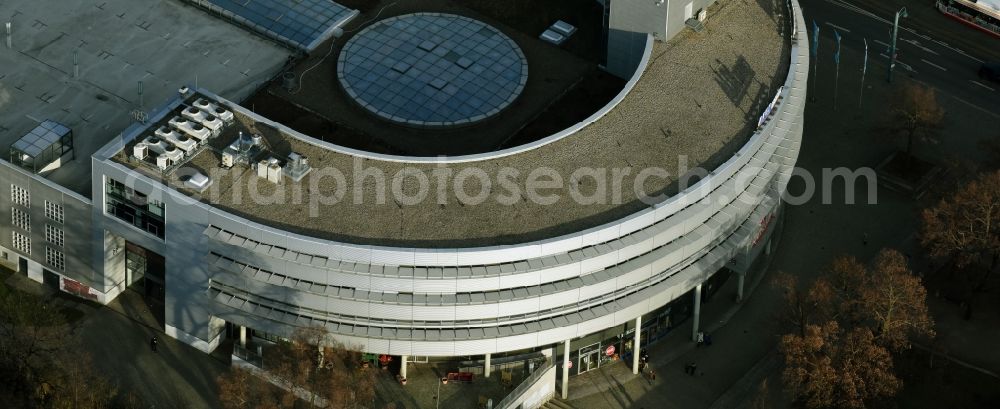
(19, 195)
(22, 243)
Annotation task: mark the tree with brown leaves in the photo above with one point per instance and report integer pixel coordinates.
(826, 368)
(803, 307)
(917, 115)
(887, 298)
(309, 368)
(885, 307)
(965, 228)
(242, 389)
(895, 302)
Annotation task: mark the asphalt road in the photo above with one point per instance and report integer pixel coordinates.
(933, 48)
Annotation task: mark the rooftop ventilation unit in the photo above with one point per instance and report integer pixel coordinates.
(297, 167)
(552, 37)
(166, 154)
(140, 151)
(270, 169)
(242, 150)
(213, 123)
(197, 182)
(215, 109)
(190, 128)
(184, 142)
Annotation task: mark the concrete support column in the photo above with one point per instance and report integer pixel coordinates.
(486, 369)
(739, 286)
(635, 345)
(243, 336)
(402, 366)
(697, 313)
(565, 368)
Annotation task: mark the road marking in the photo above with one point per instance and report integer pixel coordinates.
(982, 85)
(934, 65)
(838, 27)
(881, 43)
(862, 11)
(975, 106)
(902, 64)
(917, 44)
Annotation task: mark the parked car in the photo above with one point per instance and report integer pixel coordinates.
(990, 71)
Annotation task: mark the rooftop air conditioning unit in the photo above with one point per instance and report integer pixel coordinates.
(201, 103)
(163, 162)
(297, 167)
(140, 151)
(702, 15)
(209, 121)
(215, 109)
(229, 157)
(176, 138)
(155, 144)
(190, 128)
(172, 153)
(262, 169)
(273, 170)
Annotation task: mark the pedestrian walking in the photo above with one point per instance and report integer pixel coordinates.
(701, 338)
(152, 343)
(652, 375)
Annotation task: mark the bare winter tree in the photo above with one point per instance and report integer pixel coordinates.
(917, 116)
(41, 364)
(965, 227)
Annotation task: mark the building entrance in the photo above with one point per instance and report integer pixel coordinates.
(145, 275)
(590, 358)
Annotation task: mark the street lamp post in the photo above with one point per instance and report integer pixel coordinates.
(437, 398)
(892, 46)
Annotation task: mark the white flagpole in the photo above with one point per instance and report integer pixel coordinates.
(864, 69)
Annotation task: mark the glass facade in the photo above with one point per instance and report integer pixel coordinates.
(134, 207)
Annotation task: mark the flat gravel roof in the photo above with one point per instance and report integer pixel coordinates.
(695, 105)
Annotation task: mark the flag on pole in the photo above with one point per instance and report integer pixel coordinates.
(836, 55)
(864, 68)
(815, 42)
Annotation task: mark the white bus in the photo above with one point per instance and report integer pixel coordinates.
(981, 14)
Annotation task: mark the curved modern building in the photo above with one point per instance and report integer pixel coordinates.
(622, 221)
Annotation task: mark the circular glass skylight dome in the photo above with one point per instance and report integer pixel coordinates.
(432, 70)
